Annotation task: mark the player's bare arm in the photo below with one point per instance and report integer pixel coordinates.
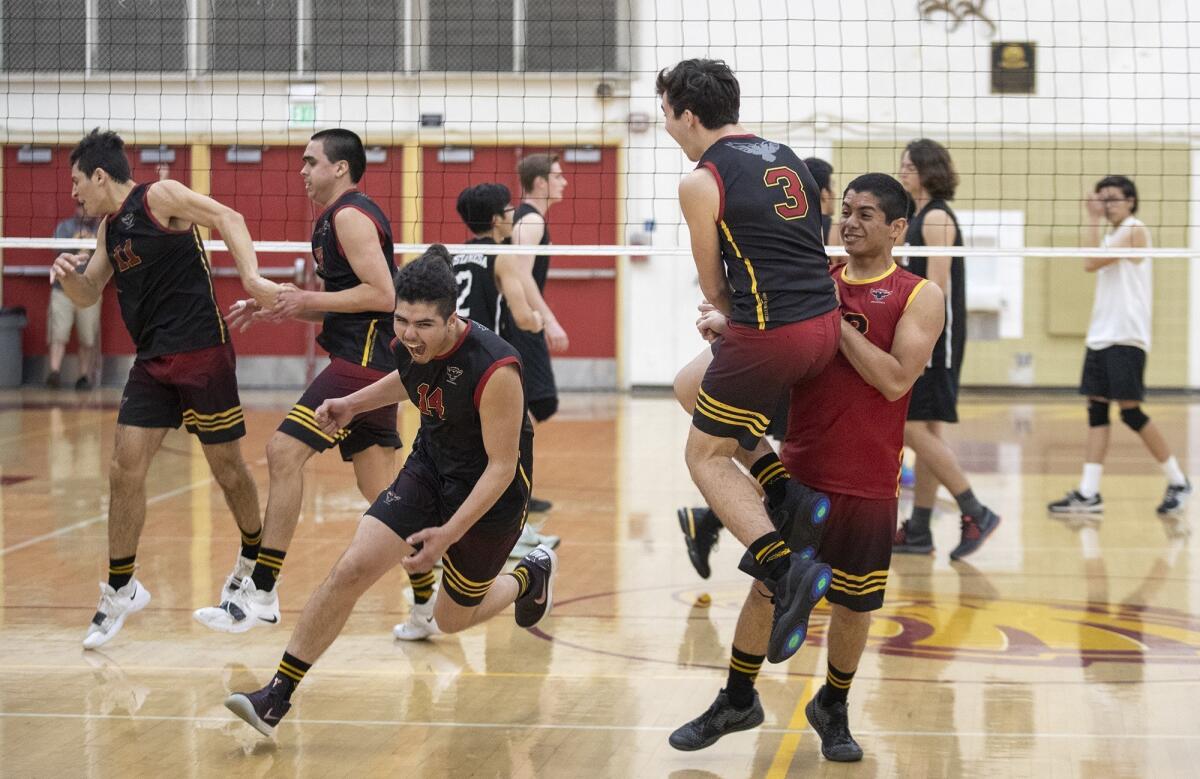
(529, 232)
(1127, 237)
(893, 373)
(508, 280)
(501, 415)
(174, 205)
(700, 200)
(335, 413)
(84, 289)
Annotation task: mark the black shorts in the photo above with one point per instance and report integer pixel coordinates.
(418, 499)
(857, 545)
(339, 379)
(752, 369)
(535, 363)
(935, 396)
(779, 421)
(197, 389)
(1115, 373)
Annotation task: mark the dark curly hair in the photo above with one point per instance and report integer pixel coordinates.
(934, 167)
(429, 279)
(707, 88)
(104, 150)
(478, 204)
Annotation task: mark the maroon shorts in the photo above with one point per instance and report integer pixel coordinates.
(752, 369)
(857, 545)
(196, 388)
(339, 379)
(418, 499)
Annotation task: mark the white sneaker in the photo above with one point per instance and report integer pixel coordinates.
(241, 569)
(531, 539)
(248, 607)
(420, 624)
(115, 606)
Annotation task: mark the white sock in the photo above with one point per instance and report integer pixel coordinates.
(1172, 471)
(1089, 484)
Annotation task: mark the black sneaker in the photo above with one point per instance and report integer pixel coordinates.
(83, 383)
(833, 726)
(537, 504)
(801, 518)
(701, 529)
(1075, 503)
(975, 530)
(1175, 498)
(796, 595)
(537, 600)
(720, 719)
(910, 540)
(262, 710)
(53, 380)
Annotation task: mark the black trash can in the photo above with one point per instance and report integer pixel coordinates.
(12, 356)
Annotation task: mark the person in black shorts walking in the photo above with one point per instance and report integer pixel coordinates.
(352, 246)
(1118, 340)
(461, 496)
(928, 175)
(184, 370)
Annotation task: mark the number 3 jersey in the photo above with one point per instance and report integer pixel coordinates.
(448, 390)
(769, 225)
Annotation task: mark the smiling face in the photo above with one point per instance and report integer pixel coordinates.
(423, 331)
(321, 177)
(865, 229)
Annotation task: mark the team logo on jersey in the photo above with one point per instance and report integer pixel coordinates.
(127, 221)
(879, 295)
(858, 321)
(764, 149)
(452, 374)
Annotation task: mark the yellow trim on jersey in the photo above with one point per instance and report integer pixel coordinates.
(758, 303)
(871, 280)
(912, 295)
(212, 293)
(753, 416)
(524, 477)
(370, 344)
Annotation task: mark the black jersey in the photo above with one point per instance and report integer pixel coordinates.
(478, 295)
(541, 263)
(769, 224)
(164, 284)
(447, 390)
(361, 337)
(948, 351)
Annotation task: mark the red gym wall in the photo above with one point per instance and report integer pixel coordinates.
(587, 215)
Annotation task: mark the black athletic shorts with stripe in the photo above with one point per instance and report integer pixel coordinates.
(857, 545)
(339, 379)
(197, 388)
(419, 498)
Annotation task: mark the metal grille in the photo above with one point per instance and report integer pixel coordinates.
(44, 35)
(470, 35)
(141, 35)
(367, 35)
(571, 35)
(254, 35)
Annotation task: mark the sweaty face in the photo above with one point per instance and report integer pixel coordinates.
(319, 174)
(865, 230)
(422, 329)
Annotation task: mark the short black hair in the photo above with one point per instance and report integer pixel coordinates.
(340, 144)
(934, 167)
(822, 171)
(1123, 183)
(705, 87)
(893, 200)
(103, 150)
(478, 204)
(429, 279)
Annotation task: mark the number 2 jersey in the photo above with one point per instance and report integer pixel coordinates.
(769, 226)
(478, 296)
(843, 435)
(447, 390)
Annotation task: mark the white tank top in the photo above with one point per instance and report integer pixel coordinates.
(1124, 291)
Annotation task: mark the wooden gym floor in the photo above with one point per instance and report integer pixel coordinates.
(1065, 649)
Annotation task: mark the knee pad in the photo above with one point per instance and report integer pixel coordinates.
(1097, 413)
(1135, 418)
(543, 409)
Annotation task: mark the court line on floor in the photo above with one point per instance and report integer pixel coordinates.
(391, 723)
(62, 531)
(791, 742)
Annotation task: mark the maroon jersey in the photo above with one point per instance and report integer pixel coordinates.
(362, 337)
(163, 281)
(843, 435)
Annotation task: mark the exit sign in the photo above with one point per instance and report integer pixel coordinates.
(303, 113)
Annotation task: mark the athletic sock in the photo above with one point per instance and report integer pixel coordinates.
(919, 521)
(1089, 482)
(837, 685)
(120, 571)
(422, 586)
(267, 568)
(772, 477)
(743, 670)
(968, 504)
(772, 553)
(251, 544)
(290, 673)
(521, 574)
(1173, 472)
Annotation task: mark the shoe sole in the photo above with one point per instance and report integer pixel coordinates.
(549, 590)
(808, 714)
(957, 555)
(120, 623)
(744, 726)
(806, 535)
(813, 586)
(1078, 510)
(688, 526)
(241, 706)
